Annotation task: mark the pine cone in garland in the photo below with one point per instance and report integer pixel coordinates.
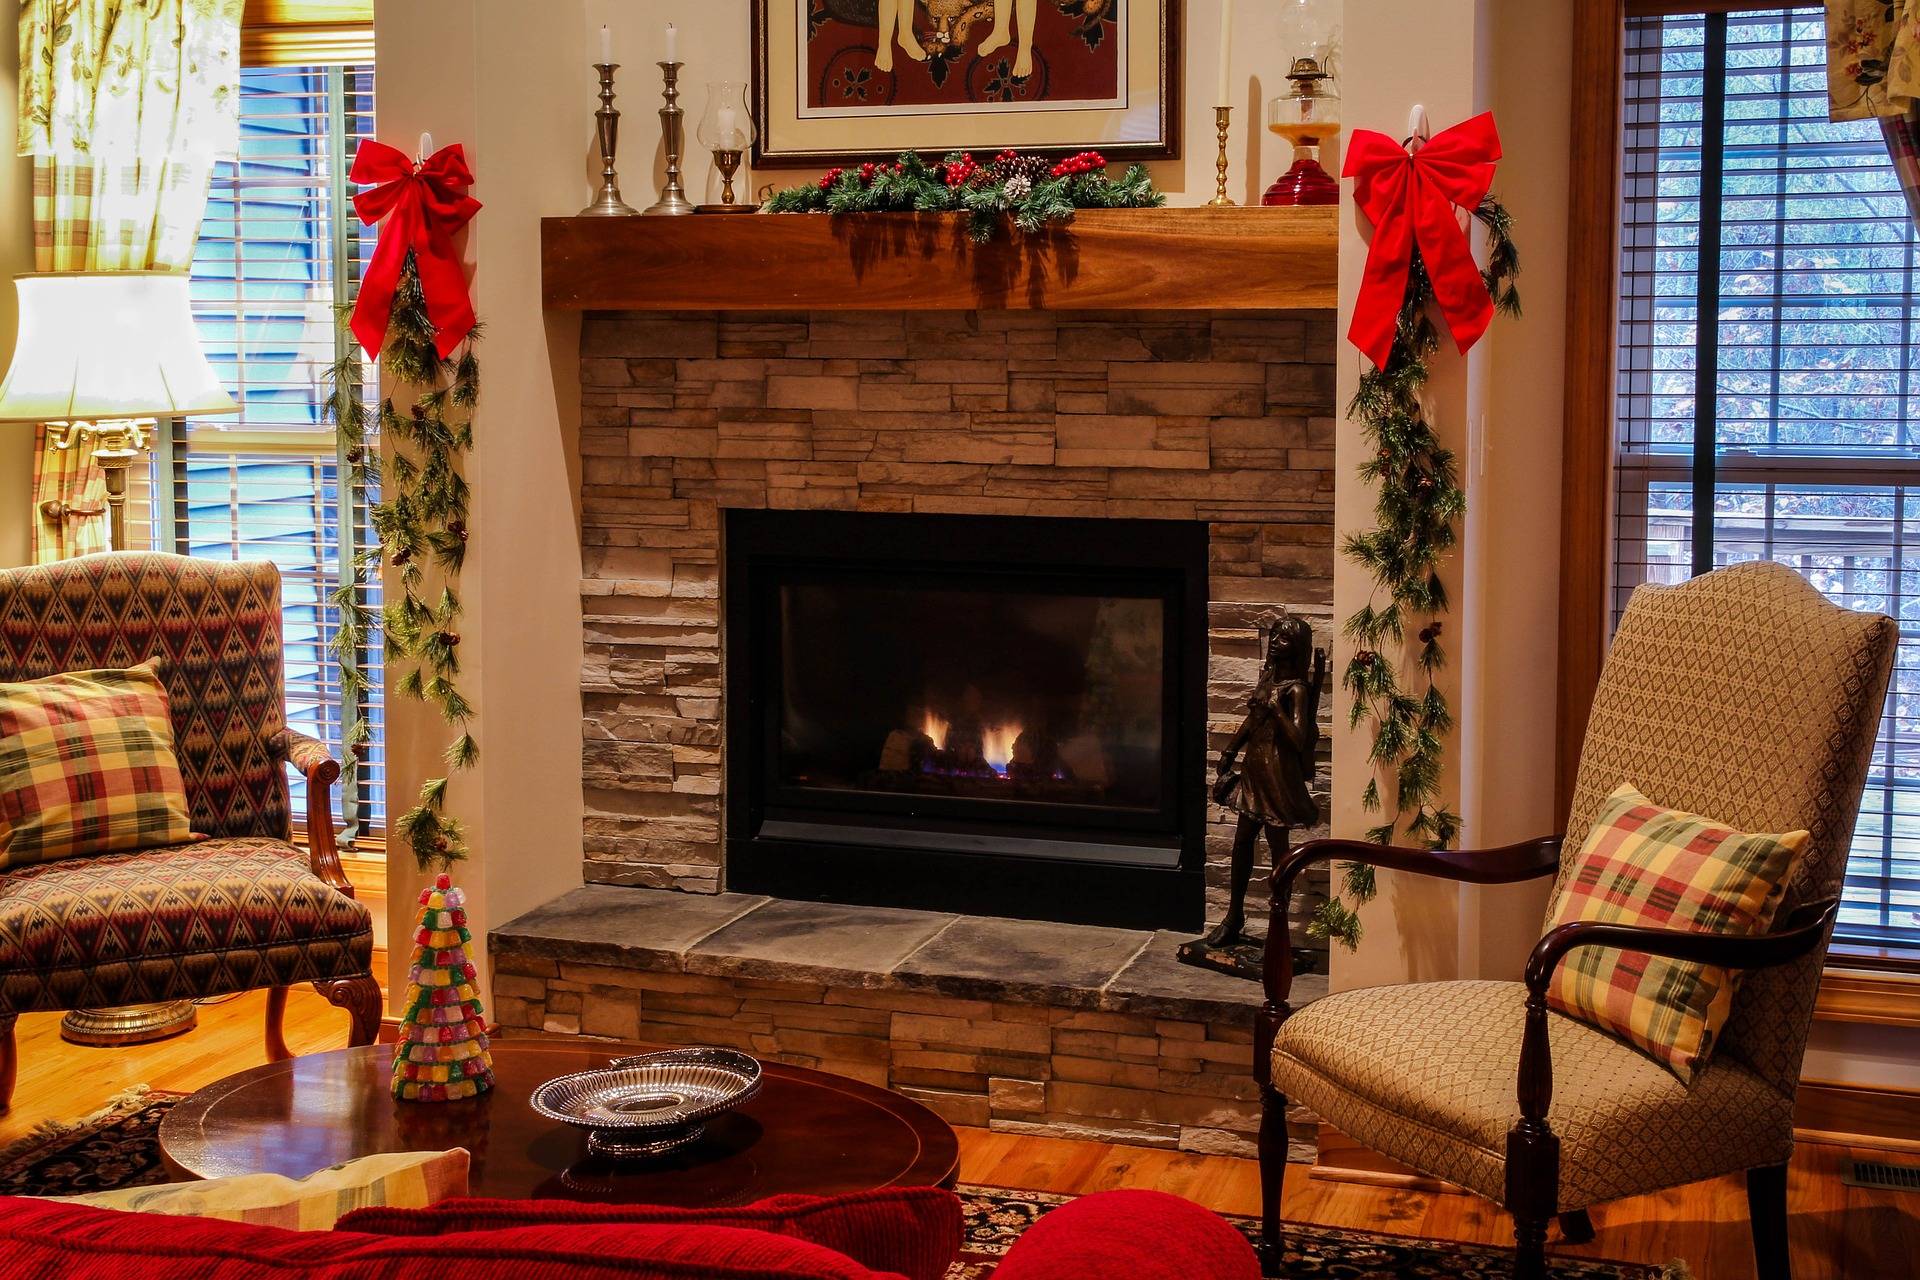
(1019, 186)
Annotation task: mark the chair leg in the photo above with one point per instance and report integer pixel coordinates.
(1576, 1227)
(359, 996)
(9, 1062)
(276, 1018)
(1767, 1205)
(1530, 1248)
(1273, 1172)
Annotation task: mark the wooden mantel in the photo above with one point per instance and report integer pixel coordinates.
(1106, 259)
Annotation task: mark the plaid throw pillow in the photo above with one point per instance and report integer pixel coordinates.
(87, 766)
(1646, 865)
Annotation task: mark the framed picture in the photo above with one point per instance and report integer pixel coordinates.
(839, 81)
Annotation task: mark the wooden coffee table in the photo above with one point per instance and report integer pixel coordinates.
(806, 1131)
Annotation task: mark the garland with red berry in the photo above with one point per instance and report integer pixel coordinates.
(1031, 190)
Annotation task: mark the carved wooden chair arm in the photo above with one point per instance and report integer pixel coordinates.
(1800, 934)
(1803, 932)
(316, 763)
(1508, 864)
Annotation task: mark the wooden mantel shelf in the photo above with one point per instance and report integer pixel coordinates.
(1107, 259)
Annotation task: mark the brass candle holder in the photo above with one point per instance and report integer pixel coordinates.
(608, 203)
(1221, 199)
(673, 199)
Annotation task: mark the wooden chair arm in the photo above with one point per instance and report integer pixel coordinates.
(312, 758)
(1509, 864)
(1804, 931)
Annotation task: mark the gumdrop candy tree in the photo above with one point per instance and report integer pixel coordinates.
(442, 1054)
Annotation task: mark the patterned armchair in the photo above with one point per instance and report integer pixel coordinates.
(1743, 695)
(241, 910)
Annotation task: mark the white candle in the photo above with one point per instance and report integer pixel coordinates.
(672, 37)
(606, 46)
(426, 145)
(725, 118)
(1226, 50)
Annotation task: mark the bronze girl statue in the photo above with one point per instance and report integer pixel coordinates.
(1263, 775)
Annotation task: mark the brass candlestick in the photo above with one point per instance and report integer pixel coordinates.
(1221, 198)
(727, 161)
(673, 200)
(608, 203)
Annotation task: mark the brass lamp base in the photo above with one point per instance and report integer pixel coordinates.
(130, 1024)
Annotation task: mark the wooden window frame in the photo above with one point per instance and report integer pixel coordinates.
(306, 33)
(1861, 986)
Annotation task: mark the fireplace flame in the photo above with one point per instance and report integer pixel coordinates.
(936, 729)
(996, 745)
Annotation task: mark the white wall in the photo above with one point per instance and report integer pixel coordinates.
(1412, 928)
(481, 73)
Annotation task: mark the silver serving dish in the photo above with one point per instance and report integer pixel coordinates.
(650, 1104)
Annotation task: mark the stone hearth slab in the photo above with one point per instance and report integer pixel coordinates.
(1015, 1025)
(611, 925)
(1024, 961)
(976, 958)
(786, 941)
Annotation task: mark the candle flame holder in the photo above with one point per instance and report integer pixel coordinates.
(608, 203)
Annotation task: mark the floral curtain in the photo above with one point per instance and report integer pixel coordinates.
(69, 501)
(1873, 71)
(125, 105)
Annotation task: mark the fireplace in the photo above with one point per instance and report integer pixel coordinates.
(991, 714)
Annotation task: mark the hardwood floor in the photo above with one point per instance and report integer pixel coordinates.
(1838, 1232)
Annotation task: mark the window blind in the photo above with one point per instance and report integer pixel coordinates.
(1792, 413)
(279, 249)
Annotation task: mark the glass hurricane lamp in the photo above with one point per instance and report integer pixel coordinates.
(1308, 113)
(726, 129)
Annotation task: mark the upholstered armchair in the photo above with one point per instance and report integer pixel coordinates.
(241, 910)
(1743, 695)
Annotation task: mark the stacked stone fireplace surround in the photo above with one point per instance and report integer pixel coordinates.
(1225, 417)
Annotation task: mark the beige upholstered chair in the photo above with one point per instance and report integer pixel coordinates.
(1743, 695)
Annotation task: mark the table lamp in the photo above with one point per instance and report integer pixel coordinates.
(102, 355)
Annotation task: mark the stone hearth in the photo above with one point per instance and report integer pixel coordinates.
(1015, 1025)
(1222, 417)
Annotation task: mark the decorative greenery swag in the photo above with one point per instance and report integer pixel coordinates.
(1418, 503)
(420, 523)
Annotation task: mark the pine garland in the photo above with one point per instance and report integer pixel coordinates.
(1034, 192)
(1417, 507)
(420, 522)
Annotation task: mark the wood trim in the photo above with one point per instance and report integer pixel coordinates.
(1586, 467)
(1664, 8)
(288, 33)
(1857, 1116)
(1106, 259)
(1875, 999)
(1341, 1159)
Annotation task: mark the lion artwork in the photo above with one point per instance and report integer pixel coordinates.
(952, 21)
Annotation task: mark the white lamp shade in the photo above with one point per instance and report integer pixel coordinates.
(96, 345)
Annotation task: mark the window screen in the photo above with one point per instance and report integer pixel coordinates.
(278, 252)
(1791, 416)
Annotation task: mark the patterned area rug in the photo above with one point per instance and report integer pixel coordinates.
(119, 1147)
(995, 1217)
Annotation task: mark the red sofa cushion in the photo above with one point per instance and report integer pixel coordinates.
(41, 1238)
(1130, 1235)
(913, 1231)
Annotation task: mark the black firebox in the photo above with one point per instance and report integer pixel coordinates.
(997, 715)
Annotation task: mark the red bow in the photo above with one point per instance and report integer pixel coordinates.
(1410, 199)
(424, 205)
